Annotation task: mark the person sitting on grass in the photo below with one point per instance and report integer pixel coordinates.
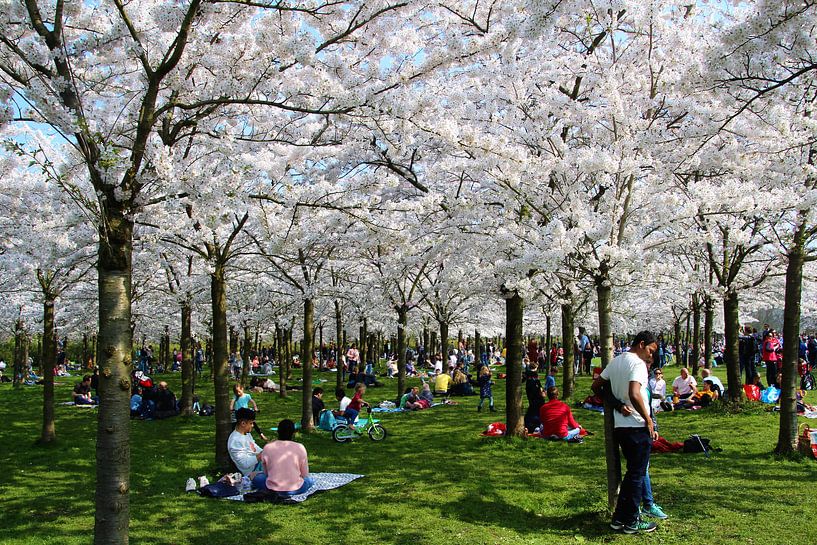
(684, 385)
(353, 409)
(717, 385)
(442, 382)
(557, 418)
(317, 404)
(285, 464)
(136, 403)
(244, 451)
(82, 392)
(702, 398)
(550, 380)
(241, 399)
(166, 405)
(411, 400)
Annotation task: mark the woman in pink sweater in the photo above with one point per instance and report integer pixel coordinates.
(286, 467)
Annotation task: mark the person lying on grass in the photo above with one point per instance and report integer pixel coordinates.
(285, 464)
(244, 451)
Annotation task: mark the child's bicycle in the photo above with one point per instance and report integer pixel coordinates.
(343, 433)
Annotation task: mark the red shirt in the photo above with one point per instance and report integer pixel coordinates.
(355, 404)
(556, 418)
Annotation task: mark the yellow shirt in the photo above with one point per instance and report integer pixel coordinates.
(442, 382)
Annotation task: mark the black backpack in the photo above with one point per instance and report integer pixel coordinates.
(696, 444)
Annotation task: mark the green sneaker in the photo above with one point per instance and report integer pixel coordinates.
(640, 527)
(654, 511)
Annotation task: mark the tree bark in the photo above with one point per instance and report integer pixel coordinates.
(548, 340)
(477, 346)
(444, 342)
(49, 359)
(339, 345)
(787, 435)
(677, 341)
(218, 294)
(186, 346)
(279, 353)
(402, 326)
(514, 316)
(568, 379)
(115, 341)
(709, 317)
(307, 349)
(20, 352)
(605, 310)
(730, 351)
(245, 365)
(696, 333)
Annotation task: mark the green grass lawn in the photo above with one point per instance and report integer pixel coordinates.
(433, 480)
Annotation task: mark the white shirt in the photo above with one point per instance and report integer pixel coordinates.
(243, 448)
(659, 390)
(684, 385)
(345, 402)
(626, 368)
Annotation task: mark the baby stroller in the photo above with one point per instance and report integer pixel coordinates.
(806, 378)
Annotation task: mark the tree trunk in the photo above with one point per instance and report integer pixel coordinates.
(286, 362)
(548, 341)
(186, 346)
(279, 353)
(402, 326)
(709, 317)
(433, 344)
(514, 316)
(477, 346)
(605, 309)
(686, 345)
(444, 342)
(568, 380)
(730, 351)
(49, 433)
(364, 334)
(339, 345)
(115, 342)
(245, 365)
(787, 435)
(20, 352)
(218, 294)
(696, 333)
(307, 349)
(677, 339)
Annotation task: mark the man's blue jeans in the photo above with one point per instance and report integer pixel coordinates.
(635, 444)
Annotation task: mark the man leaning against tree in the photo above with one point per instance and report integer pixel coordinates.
(627, 378)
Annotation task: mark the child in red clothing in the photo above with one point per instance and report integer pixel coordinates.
(353, 409)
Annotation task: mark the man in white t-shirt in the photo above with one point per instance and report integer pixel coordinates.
(684, 385)
(627, 379)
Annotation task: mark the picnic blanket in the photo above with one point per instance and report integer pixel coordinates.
(72, 404)
(323, 481)
(399, 410)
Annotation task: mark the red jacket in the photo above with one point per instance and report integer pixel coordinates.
(556, 418)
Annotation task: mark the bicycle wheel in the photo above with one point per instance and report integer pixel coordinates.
(342, 433)
(377, 432)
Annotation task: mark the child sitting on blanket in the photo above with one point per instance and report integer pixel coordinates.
(353, 409)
